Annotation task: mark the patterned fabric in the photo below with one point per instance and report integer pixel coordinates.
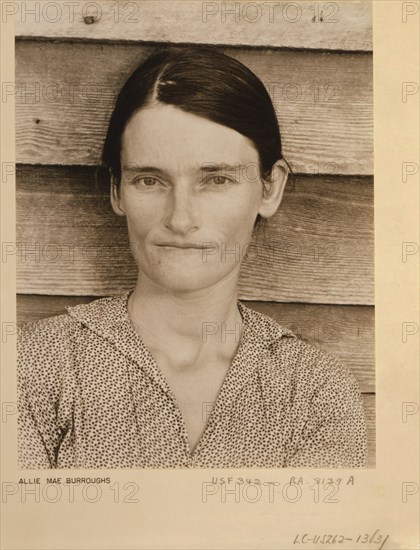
(92, 396)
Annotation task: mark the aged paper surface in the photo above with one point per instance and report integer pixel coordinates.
(253, 508)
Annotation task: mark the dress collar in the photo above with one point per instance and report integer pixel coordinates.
(108, 317)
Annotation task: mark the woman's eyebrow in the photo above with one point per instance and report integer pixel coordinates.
(213, 167)
(136, 168)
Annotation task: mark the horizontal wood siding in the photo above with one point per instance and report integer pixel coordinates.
(323, 101)
(340, 25)
(318, 247)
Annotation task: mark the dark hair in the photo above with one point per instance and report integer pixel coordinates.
(204, 82)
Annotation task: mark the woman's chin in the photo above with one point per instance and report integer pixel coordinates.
(185, 280)
(190, 283)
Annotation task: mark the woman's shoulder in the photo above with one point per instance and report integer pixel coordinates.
(291, 356)
(42, 347)
(45, 347)
(48, 329)
(53, 339)
(52, 335)
(105, 309)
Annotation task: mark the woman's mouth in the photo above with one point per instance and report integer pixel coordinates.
(188, 245)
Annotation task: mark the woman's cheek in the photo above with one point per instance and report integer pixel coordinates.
(239, 223)
(140, 219)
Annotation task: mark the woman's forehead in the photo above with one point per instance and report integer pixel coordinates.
(175, 139)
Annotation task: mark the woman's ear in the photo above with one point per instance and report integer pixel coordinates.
(273, 189)
(115, 197)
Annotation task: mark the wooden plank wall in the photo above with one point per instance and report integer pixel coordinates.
(312, 269)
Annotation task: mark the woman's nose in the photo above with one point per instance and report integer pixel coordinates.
(182, 214)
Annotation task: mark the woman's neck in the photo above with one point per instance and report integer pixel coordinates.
(187, 327)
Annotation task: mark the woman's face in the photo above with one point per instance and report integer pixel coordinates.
(190, 192)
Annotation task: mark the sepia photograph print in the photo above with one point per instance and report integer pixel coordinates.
(240, 333)
(210, 314)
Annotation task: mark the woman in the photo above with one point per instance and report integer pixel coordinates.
(177, 372)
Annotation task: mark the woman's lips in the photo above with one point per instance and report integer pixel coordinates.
(187, 246)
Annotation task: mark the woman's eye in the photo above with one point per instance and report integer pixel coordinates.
(219, 180)
(146, 181)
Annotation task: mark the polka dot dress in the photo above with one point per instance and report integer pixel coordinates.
(92, 396)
